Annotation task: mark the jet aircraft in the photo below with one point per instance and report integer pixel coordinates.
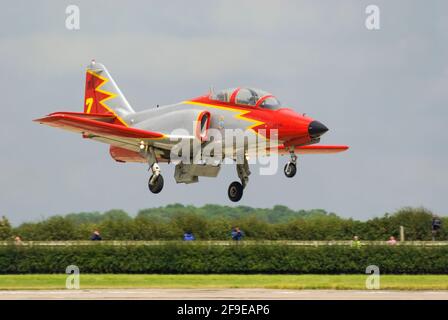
(151, 135)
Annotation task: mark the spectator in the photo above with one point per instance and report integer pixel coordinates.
(18, 240)
(237, 234)
(392, 241)
(96, 236)
(435, 226)
(188, 236)
(356, 243)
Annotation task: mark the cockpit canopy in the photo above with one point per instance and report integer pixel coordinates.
(247, 97)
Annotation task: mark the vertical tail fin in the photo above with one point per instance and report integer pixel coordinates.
(102, 94)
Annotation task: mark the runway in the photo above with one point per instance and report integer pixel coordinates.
(217, 294)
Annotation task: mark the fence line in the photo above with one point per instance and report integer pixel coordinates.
(218, 243)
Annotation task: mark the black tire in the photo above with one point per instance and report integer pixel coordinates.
(157, 186)
(235, 191)
(290, 169)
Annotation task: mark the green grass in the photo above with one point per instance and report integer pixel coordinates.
(91, 281)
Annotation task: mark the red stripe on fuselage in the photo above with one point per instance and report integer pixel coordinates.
(290, 125)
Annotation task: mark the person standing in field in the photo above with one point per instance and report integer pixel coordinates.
(392, 241)
(18, 241)
(356, 243)
(188, 236)
(96, 236)
(237, 234)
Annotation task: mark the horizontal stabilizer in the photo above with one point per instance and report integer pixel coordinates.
(95, 125)
(92, 116)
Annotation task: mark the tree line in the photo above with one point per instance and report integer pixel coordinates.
(215, 222)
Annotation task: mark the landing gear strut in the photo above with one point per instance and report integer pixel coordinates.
(155, 182)
(291, 167)
(236, 188)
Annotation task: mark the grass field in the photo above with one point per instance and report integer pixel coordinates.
(96, 281)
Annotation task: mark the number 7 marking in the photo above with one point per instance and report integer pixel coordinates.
(89, 103)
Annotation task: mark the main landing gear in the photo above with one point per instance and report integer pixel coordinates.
(236, 188)
(291, 167)
(155, 182)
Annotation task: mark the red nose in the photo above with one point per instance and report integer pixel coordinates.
(297, 129)
(291, 124)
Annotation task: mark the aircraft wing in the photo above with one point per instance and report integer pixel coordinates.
(313, 149)
(101, 127)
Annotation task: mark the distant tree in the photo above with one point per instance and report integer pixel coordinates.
(84, 231)
(29, 231)
(215, 222)
(150, 213)
(85, 217)
(255, 228)
(5, 229)
(417, 222)
(219, 228)
(217, 211)
(191, 222)
(313, 213)
(116, 229)
(116, 215)
(292, 230)
(148, 228)
(57, 228)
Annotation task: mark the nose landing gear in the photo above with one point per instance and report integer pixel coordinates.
(290, 169)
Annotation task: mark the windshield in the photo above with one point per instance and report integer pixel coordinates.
(271, 103)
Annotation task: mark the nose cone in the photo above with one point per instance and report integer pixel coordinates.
(316, 129)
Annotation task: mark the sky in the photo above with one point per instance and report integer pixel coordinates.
(382, 92)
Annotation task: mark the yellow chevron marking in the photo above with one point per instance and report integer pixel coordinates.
(239, 114)
(109, 94)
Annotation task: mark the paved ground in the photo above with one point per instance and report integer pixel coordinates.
(203, 294)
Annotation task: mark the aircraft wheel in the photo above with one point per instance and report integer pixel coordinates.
(157, 185)
(290, 169)
(235, 191)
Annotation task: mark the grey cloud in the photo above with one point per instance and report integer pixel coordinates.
(381, 92)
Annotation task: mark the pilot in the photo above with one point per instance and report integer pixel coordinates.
(252, 101)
